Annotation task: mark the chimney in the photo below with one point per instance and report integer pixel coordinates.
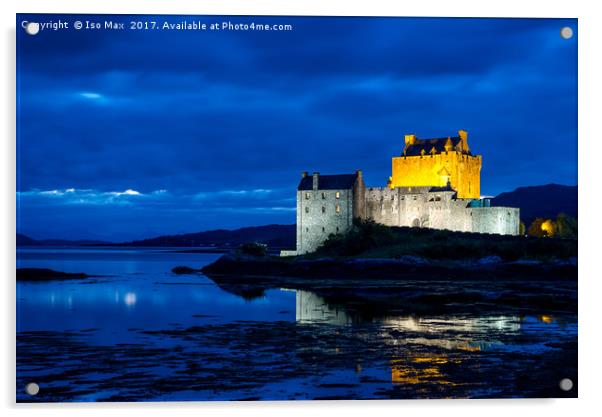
(316, 175)
(410, 139)
(464, 136)
(304, 174)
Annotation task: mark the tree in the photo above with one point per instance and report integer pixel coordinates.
(566, 226)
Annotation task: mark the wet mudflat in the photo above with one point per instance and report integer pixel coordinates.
(144, 334)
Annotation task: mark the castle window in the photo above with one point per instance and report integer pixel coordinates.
(323, 209)
(307, 196)
(338, 194)
(306, 209)
(338, 208)
(323, 196)
(307, 229)
(323, 229)
(337, 229)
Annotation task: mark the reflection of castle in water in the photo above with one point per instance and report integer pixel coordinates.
(421, 363)
(315, 309)
(311, 308)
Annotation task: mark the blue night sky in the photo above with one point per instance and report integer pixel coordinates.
(131, 134)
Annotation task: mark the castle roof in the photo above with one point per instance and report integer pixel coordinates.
(329, 182)
(427, 146)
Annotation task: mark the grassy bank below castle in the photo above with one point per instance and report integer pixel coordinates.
(368, 239)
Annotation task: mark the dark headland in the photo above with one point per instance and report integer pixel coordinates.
(371, 249)
(44, 274)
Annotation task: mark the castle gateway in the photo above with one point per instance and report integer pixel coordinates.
(434, 183)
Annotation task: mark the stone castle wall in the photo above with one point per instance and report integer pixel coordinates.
(437, 210)
(318, 217)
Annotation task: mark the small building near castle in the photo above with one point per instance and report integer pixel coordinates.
(434, 183)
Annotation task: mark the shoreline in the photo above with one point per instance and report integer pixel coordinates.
(408, 267)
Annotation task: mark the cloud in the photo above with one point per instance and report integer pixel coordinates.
(92, 96)
(234, 200)
(84, 196)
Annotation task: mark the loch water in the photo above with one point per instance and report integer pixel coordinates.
(135, 331)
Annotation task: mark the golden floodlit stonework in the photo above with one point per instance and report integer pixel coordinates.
(437, 162)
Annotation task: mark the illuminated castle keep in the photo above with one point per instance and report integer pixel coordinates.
(434, 183)
(437, 162)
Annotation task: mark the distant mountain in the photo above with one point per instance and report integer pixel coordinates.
(273, 235)
(23, 240)
(540, 201)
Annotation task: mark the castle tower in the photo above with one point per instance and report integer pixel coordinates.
(437, 162)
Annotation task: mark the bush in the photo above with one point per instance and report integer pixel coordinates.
(364, 235)
(253, 249)
(372, 240)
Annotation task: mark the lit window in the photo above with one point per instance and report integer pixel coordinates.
(338, 194)
(307, 209)
(323, 196)
(307, 196)
(338, 209)
(323, 209)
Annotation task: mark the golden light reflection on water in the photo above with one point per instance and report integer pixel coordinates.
(545, 318)
(420, 370)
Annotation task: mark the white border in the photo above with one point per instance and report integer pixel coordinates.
(590, 135)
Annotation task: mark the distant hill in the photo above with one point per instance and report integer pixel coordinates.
(273, 235)
(540, 201)
(23, 240)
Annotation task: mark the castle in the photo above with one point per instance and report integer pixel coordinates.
(434, 183)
